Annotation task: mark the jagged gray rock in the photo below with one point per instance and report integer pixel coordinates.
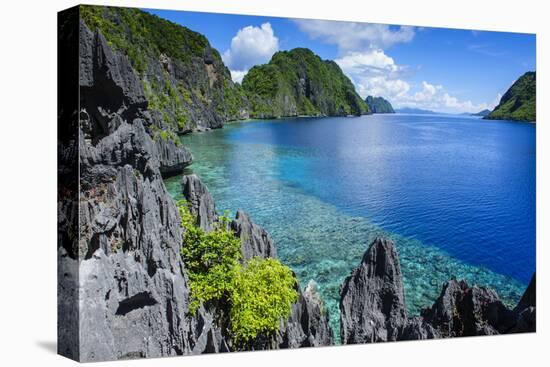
(372, 306)
(418, 329)
(201, 203)
(313, 318)
(172, 158)
(372, 303)
(461, 310)
(255, 240)
(110, 92)
(131, 279)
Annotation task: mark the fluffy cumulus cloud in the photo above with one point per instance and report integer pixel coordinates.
(351, 36)
(250, 46)
(435, 97)
(374, 73)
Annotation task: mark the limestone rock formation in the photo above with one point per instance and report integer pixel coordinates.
(373, 307)
(172, 158)
(201, 203)
(255, 240)
(461, 310)
(372, 303)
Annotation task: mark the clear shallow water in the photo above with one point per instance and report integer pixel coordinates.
(456, 194)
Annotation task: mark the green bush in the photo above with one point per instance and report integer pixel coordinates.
(263, 293)
(210, 258)
(257, 294)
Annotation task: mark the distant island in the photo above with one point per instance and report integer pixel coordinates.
(519, 101)
(379, 105)
(482, 113)
(416, 111)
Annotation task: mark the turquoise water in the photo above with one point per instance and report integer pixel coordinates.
(455, 194)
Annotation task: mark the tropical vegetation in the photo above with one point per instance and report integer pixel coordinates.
(257, 293)
(519, 102)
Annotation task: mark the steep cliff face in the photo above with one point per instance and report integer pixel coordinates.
(111, 93)
(131, 282)
(298, 82)
(519, 102)
(373, 307)
(184, 79)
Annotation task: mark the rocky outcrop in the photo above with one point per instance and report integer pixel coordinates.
(372, 306)
(201, 203)
(255, 240)
(525, 311)
(110, 92)
(172, 158)
(372, 303)
(461, 310)
(309, 320)
(379, 105)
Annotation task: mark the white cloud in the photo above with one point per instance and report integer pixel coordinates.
(375, 73)
(351, 36)
(435, 97)
(251, 46)
(427, 93)
(496, 102)
(373, 61)
(238, 75)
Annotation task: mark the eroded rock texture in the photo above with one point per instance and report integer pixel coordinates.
(255, 240)
(372, 301)
(373, 307)
(132, 286)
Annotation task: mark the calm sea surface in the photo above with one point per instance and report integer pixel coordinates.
(457, 195)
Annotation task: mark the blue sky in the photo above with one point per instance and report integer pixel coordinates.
(446, 70)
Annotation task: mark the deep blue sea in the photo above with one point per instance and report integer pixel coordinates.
(457, 194)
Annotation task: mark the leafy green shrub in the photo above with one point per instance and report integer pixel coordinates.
(263, 293)
(258, 293)
(210, 258)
